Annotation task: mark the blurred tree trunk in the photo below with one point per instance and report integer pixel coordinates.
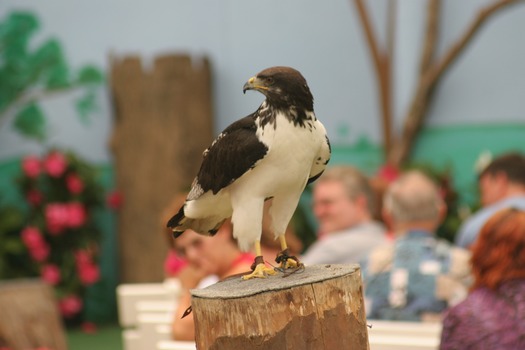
(163, 124)
(398, 148)
(29, 316)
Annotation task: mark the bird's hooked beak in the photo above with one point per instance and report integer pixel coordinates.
(254, 83)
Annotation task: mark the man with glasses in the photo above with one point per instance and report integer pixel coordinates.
(343, 204)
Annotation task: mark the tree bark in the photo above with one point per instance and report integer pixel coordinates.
(163, 124)
(29, 317)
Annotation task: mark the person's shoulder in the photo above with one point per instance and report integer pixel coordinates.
(517, 202)
(380, 258)
(470, 228)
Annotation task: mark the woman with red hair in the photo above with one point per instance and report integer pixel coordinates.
(493, 315)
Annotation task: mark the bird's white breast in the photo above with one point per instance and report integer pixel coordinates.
(292, 149)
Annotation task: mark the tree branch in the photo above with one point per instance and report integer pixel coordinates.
(462, 43)
(429, 80)
(371, 39)
(431, 35)
(383, 72)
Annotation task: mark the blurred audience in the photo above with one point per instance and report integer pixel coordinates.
(493, 315)
(416, 276)
(501, 185)
(210, 259)
(343, 203)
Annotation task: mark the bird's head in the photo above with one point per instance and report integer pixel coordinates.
(283, 87)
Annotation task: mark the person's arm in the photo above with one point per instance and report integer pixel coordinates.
(184, 328)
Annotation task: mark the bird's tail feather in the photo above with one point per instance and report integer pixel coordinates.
(180, 223)
(176, 223)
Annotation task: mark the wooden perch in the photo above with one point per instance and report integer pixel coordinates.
(319, 308)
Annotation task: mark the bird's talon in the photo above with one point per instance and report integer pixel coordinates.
(287, 261)
(260, 270)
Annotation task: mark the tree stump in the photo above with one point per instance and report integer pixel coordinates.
(163, 123)
(318, 308)
(29, 317)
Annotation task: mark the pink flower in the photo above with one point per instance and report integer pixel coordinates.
(55, 164)
(74, 183)
(34, 197)
(57, 217)
(76, 215)
(60, 216)
(114, 200)
(31, 166)
(388, 172)
(35, 243)
(51, 274)
(70, 305)
(88, 273)
(32, 237)
(40, 253)
(83, 257)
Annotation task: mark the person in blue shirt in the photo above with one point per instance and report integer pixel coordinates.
(501, 185)
(416, 276)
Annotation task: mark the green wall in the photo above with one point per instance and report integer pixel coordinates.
(454, 147)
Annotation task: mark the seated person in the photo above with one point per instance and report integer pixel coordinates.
(343, 204)
(416, 276)
(493, 314)
(501, 185)
(211, 259)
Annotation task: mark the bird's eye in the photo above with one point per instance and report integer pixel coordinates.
(269, 80)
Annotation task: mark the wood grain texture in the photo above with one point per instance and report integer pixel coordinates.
(319, 308)
(29, 316)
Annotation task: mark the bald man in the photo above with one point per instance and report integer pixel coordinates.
(416, 276)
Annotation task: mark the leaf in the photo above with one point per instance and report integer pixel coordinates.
(11, 219)
(58, 77)
(48, 64)
(30, 122)
(90, 75)
(14, 34)
(86, 105)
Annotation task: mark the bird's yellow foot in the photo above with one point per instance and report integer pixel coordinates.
(259, 270)
(288, 261)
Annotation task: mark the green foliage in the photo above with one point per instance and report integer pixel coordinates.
(12, 251)
(28, 76)
(31, 122)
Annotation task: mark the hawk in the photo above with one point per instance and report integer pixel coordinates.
(272, 153)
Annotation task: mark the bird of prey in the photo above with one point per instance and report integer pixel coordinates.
(272, 153)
